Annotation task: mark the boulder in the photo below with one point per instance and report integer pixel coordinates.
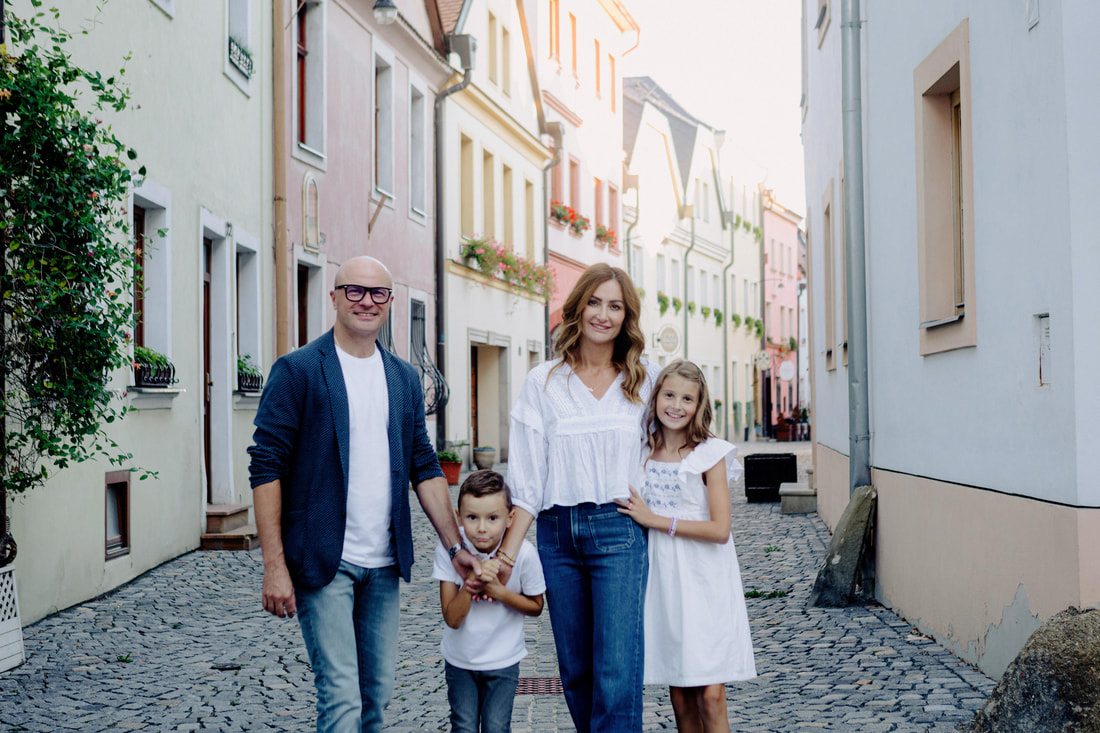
(835, 586)
(1054, 682)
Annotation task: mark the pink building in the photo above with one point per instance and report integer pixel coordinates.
(780, 278)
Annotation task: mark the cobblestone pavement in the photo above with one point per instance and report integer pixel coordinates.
(187, 647)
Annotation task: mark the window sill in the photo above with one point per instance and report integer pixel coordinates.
(246, 400)
(152, 398)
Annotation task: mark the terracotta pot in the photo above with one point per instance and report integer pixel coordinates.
(485, 458)
(450, 471)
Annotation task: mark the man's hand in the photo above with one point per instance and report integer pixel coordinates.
(467, 566)
(490, 570)
(278, 592)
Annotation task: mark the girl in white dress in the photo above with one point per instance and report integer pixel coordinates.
(696, 624)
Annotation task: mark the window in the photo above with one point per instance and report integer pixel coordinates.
(596, 67)
(238, 50)
(488, 195)
(555, 31)
(139, 275)
(830, 276)
(574, 184)
(676, 284)
(311, 207)
(507, 234)
(597, 192)
(690, 283)
(418, 159)
(117, 514)
(506, 61)
(494, 53)
(309, 81)
(703, 295)
(466, 187)
(611, 86)
(573, 43)
(529, 220)
(383, 125)
(824, 16)
(945, 201)
(706, 201)
(842, 249)
(637, 264)
(716, 296)
(612, 206)
(152, 285)
(661, 274)
(248, 296)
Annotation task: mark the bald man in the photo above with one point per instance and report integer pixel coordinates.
(339, 436)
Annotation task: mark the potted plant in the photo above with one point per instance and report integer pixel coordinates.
(662, 302)
(485, 456)
(605, 235)
(249, 376)
(718, 316)
(792, 344)
(677, 304)
(152, 368)
(691, 307)
(735, 319)
(451, 463)
(705, 310)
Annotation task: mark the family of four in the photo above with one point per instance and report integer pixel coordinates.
(610, 457)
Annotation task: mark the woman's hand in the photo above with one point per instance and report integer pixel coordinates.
(636, 508)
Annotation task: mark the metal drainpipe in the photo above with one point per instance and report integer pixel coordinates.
(859, 431)
(546, 244)
(725, 327)
(686, 281)
(765, 420)
(278, 174)
(440, 258)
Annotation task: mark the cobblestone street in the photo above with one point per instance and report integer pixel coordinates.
(188, 647)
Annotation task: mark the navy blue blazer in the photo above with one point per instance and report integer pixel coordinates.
(301, 439)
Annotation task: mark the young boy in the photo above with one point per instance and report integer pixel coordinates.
(483, 636)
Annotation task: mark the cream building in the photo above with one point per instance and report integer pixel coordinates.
(201, 217)
(681, 232)
(978, 143)
(494, 160)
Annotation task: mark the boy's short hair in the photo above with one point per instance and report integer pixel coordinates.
(485, 483)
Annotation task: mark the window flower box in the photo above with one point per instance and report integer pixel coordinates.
(152, 369)
(249, 376)
(240, 57)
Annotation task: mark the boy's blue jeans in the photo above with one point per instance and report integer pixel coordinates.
(596, 563)
(481, 700)
(350, 630)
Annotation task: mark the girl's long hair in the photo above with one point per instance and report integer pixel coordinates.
(699, 429)
(629, 344)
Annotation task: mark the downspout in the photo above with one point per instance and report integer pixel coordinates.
(556, 132)
(278, 172)
(765, 419)
(725, 328)
(691, 213)
(440, 257)
(859, 431)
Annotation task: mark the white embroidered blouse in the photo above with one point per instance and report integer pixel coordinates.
(566, 447)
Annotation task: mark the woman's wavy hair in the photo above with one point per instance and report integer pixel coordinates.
(699, 429)
(629, 344)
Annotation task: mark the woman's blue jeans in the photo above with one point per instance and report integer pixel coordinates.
(595, 561)
(350, 630)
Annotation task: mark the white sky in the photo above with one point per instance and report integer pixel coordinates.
(735, 65)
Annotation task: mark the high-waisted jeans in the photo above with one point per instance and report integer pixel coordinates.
(596, 563)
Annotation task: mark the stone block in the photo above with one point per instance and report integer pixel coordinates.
(836, 579)
(1051, 685)
(797, 499)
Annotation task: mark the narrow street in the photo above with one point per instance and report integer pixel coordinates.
(187, 647)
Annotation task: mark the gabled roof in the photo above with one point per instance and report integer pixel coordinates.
(445, 16)
(683, 126)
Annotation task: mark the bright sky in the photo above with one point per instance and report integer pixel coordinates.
(735, 65)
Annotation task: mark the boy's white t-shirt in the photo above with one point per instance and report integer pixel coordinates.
(367, 530)
(491, 635)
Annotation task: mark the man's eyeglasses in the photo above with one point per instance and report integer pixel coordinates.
(356, 293)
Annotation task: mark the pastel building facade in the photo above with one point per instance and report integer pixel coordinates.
(977, 142)
(200, 221)
(680, 232)
(493, 163)
(578, 50)
(780, 286)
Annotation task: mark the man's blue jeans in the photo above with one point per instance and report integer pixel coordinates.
(350, 630)
(481, 700)
(596, 563)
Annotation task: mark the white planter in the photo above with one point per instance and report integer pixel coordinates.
(11, 630)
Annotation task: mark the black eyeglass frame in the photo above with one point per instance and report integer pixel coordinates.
(387, 293)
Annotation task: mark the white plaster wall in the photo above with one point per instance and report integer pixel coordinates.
(822, 141)
(205, 143)
(974, 416)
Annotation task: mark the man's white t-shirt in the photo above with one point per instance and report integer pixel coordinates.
(491, 635)
(367, 541)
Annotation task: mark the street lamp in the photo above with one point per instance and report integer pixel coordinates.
(385, 12)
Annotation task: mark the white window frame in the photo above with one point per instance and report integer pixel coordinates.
(312, 151)
(382, 139)
(238, 25)
(419, 137)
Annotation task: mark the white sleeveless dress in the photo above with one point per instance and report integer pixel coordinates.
(696, 623)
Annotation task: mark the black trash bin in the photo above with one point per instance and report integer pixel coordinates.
(764, 472)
